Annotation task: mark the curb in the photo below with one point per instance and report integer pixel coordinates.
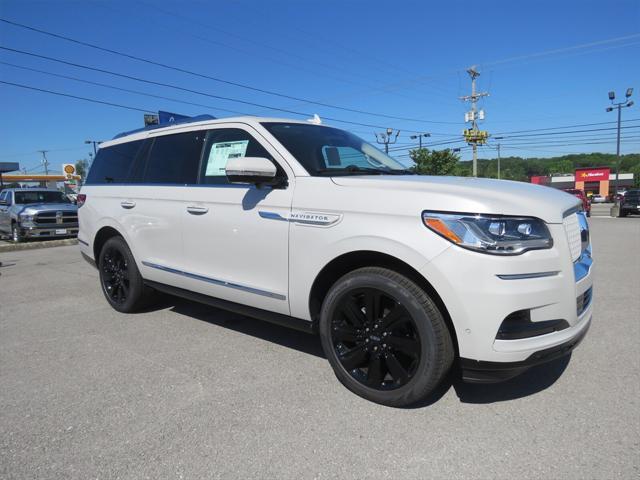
(13, 247)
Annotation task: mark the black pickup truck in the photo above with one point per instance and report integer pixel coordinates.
(630, 203)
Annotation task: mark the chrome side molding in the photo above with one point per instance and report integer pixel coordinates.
(523, 276)
(215, 281)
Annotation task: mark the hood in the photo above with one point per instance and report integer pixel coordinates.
(34, 208)
(471, 195)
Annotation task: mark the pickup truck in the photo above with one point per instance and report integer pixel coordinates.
(37, 213)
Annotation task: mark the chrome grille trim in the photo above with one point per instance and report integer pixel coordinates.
(572, 231)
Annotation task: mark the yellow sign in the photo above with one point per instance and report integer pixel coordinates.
(68, 169)
(479, 137)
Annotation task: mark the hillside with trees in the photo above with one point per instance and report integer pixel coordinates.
(447, 162)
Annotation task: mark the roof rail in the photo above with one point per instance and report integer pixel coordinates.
(197, 118)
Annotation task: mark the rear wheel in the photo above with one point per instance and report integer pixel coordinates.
(384, 337)
(120, 278)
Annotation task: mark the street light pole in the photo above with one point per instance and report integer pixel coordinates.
(419, 137)
(385, 138)
(94, 142)
(619, 106)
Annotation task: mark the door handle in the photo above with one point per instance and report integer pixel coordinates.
(197, 210)
(128, 205)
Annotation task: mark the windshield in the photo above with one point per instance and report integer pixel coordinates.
(331, 151)
(40, 197)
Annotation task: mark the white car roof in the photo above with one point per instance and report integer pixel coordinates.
(188, 126)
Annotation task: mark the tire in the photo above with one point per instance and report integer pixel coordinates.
(120, 279)
(16, 234)
(394, 347)
(622, 213)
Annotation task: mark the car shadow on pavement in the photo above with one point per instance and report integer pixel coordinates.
(286, 337)
(530, 382)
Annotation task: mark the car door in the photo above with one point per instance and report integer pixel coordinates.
(153, 203)
(236, 237)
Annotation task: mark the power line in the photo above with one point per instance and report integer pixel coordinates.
(563, 133)
(92, 100)
(136, 92)
(216, 79)
(176, 87)
(564, 126)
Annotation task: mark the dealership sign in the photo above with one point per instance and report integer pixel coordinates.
(592, 175)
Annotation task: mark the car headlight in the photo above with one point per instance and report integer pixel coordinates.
(25, 218)
(494, 234)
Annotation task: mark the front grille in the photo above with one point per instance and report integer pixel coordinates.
(583, 301)
(572, 230)
(53, 219)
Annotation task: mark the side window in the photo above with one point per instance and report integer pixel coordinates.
(174, 159)
(223, 144)
(113, 164)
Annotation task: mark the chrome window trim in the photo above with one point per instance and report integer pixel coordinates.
(215, 281)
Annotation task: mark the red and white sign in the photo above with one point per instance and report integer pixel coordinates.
(592, 174)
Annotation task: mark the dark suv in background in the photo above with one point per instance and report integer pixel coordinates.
(630, 203)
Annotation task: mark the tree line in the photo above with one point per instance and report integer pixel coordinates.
(447, 162)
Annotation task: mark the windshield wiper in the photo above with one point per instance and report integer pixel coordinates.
(356, 170)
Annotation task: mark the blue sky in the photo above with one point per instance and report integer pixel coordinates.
(545, 64)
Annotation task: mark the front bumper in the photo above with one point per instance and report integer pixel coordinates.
(475, 371)
(481, 291)
(40, 232)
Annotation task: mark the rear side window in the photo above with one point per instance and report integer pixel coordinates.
(174, 159)
(113, 164)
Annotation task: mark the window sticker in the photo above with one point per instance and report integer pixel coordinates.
(221, 153)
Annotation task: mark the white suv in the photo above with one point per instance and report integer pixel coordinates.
(309, 226)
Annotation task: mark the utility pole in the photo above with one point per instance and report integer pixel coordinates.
(45, 162)
(419, 137)
(619, 106)
(94, 142)
(385, 138)
(498, 147)
(473, 136)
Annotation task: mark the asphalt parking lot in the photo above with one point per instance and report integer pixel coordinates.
(186, 391)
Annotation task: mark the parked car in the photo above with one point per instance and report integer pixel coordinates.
(598, 199)
(630, 203)
(586, 204)
(37, 213)
(309, 226)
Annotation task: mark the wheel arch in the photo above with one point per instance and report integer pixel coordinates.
(350, 261)
(102, 235)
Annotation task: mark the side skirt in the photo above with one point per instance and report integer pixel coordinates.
(271, 317)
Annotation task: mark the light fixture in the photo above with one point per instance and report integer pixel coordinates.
(629, 92)
(612, 95)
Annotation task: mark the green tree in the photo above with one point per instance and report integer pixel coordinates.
(434, 162)
(81, 169)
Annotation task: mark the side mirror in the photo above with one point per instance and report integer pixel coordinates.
(252, 170)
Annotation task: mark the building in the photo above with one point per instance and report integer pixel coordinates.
(593, 181)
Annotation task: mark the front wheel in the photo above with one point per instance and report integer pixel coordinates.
(384, 337)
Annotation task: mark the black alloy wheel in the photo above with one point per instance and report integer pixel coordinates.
(115, 275)
(120, 279)
(384, 337)
(375, 339)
